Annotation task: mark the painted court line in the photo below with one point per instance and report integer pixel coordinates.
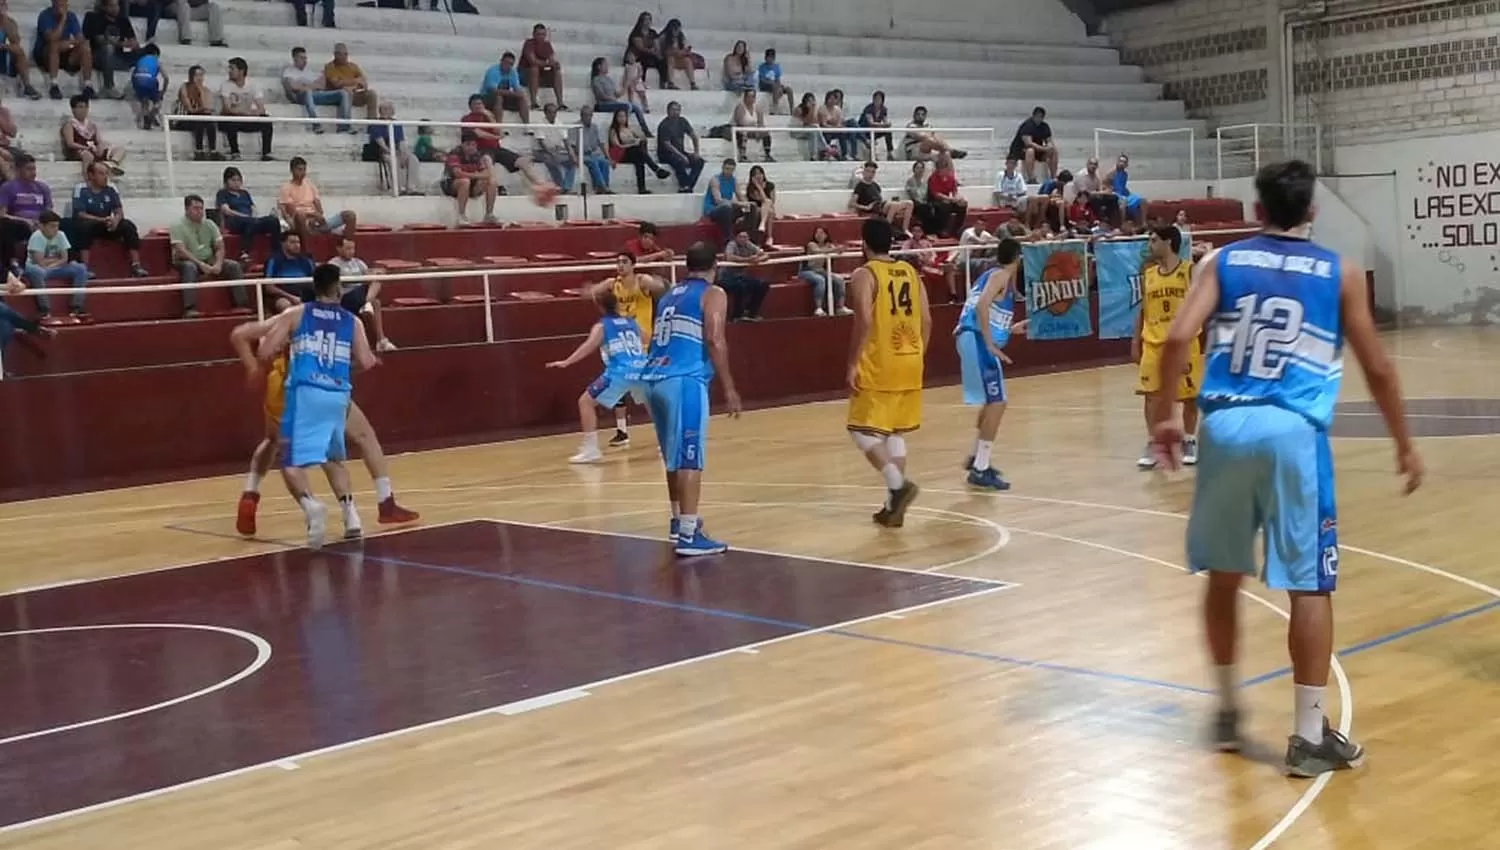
(543, 701)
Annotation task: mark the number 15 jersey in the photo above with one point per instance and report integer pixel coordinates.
(1277, 335)
(891, 360)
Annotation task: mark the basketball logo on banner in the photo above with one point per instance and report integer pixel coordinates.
(1057, 290)
(1119, 264)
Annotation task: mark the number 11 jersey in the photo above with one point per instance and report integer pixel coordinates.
(1277, 335)
(891, 360)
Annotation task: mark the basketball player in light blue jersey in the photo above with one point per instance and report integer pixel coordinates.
(687, 347)
(981, 353)
(618, 341)
(325, 344)
(1279, 308)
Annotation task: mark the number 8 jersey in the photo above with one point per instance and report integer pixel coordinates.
(1276, 337)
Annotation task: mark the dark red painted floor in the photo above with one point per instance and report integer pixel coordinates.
(402, 630)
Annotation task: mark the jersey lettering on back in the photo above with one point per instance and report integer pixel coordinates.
(623, 353)
(678, 347)
(892, 357)
(1002, 310)
(322, 348)
(1277, 335)
(1162, 294)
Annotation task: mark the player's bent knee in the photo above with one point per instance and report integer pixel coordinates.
(895, 444)
(866, 441)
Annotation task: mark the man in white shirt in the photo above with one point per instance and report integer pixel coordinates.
(981, 257)
(1010, 188)
(553, 151)
(362, 298)
(305, 86)
(239, 98)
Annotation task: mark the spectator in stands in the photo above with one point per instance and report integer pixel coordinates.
(1118, 181)
(9, 150)
(237, 213)
(819, 275)
(239, 98)
(737, 74)
(487, 139)
(831, 117)
(948, 206)
(1080, 214)
(301, 205)
(1033, 143)
(591, 151)
(60, 46)
(47, 259)
(194, 98)
(672, 136)
(633, 82)
(198, 253)
(868, 199)
(725, 205)
(916, 192)
(762, 194)
(99, 214)
(300, 7)
(502, 89)
(750, 122)
(980, 256)
(875, 115)
(110, 36)
(921, 143)
(632, 148)
(746, 291)
(806, 116)
(677, 54)
(540, 65)
(81, 141)
(362, 298)
(22, 202)
(11, 321)
(425, 149)
(1059, 192)
(1012, 193)
(288, 264)
(768, 81)
(12, 46)
(644, 45)
(645, 247)
(397, 162)
(345, 76)
(305, 86)
(187, 11)
(552, 150)
(148, 82)
(1102, 199)
(609, 97)
(468, 175)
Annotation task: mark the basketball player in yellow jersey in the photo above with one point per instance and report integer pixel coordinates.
(892, 323)
(634, 296)
(1164, 286)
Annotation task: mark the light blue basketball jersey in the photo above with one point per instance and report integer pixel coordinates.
(322, 347)
(1002, 310)
(677, 347)
(622, 351)
(1276, 337)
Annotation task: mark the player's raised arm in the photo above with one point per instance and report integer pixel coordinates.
(589, 345)
(1202, 298)
(244, 338)
(363, 358)
(1380, 375)
(651, 284)
(860, 297)
(279, 332)
(594, 290)
(715, 311)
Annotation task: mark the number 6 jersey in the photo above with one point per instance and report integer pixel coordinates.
(891, 360)
(1277, 336)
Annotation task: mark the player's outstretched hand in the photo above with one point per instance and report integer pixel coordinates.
(1166, 439)
(1019, 328)
(732, 399)
(557, 364)
(1409, 464)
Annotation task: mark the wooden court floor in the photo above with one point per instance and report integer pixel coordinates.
(1066, 711)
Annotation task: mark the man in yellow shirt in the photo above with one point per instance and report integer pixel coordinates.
(1164, 285)
(892, 324)
(343, 75)
(634, 295)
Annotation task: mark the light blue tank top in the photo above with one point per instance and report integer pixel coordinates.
(322, 347)
(1002, 310)
(1277, 335)
(677, 344)
(624, 355)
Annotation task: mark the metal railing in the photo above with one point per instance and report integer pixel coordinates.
(805, 133)
(1261, 143)
(1192, 142)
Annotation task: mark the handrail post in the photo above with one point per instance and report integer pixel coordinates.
(390, 141)
(1318, 149)
(1255, 145)
(1096, 143)
(166, 135)
(1219, 154)
(489, 313)
(260, 302)
(828, 298)
(734, 141)
(1192, 154)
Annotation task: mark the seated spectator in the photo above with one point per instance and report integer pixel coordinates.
(981, 254)
(609, 97)
(148, 82)
(288, 264)
(948, 206)
(1032, 144)
(502, 89)
(831, 117)
(194, 98)
(99, 214)
(819, 275)
(646, 247)
(591, 151)
(672, 136)
(868, 199)
(552, 151)
(1102, 198)
(237, 214)
(468, 174)
(425, 150)
(47, 259)
(931, 263)
(875, 115)
(301, 205)
(185, 12)
(724, 203)
(22, 202)
(737, 75)
(345, 76)
(111, 38)
(13, 47)
(1199, 248)
(11, 321)
(806, 116)
(643, 45)
(916, 192)
(9, 150)
(300, 8)
(360, 297)
(1058, 191)
(239, 98)
(677, 55)
(486, 139)
(632, 149)
(396, 160)
(1081, 218)
(633, 82)
(768, 81)
(746, 291)
(1012, 193)
(921, 143)
(306, 87)
(60, 46)
(750, 122)
(1118, 181)
(82, 142)
(198, 254)
(762, 194)
(541, 67)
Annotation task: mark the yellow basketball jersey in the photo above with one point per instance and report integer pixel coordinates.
(1162, 294)
(635, 303)
(892, 356)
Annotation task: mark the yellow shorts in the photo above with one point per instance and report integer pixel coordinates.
(890, 412)
(1150, 373)
(275, 400)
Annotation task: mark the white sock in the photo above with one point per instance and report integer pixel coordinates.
(1228, 683)
(622, 421)
(591, 439)
(893, 477)
(351, 516)
(687, 525)
(1310, 712)
(676, 510)
(308, 504)
(252, 482)
(383, 489)
(982, 454)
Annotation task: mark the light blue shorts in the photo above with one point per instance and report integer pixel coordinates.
(984, 380)
(609, 392)
(312, 426)
(679, 410)
(1262, 469)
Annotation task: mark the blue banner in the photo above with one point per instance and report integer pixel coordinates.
(1057, 290)
(1118, 264)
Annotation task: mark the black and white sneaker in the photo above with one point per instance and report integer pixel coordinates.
(1307, 760)
(621, 440)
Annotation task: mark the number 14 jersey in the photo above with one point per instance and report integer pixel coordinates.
(891, 360)
(1277, 334)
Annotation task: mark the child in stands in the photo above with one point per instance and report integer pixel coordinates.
(149, 81)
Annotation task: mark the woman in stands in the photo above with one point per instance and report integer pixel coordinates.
(737, 74)
(916, 192)
(819, 275)
(762, 193)
(678, 54)
(806, 115)
(632, 148)
(644, 45)
(194, 98)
